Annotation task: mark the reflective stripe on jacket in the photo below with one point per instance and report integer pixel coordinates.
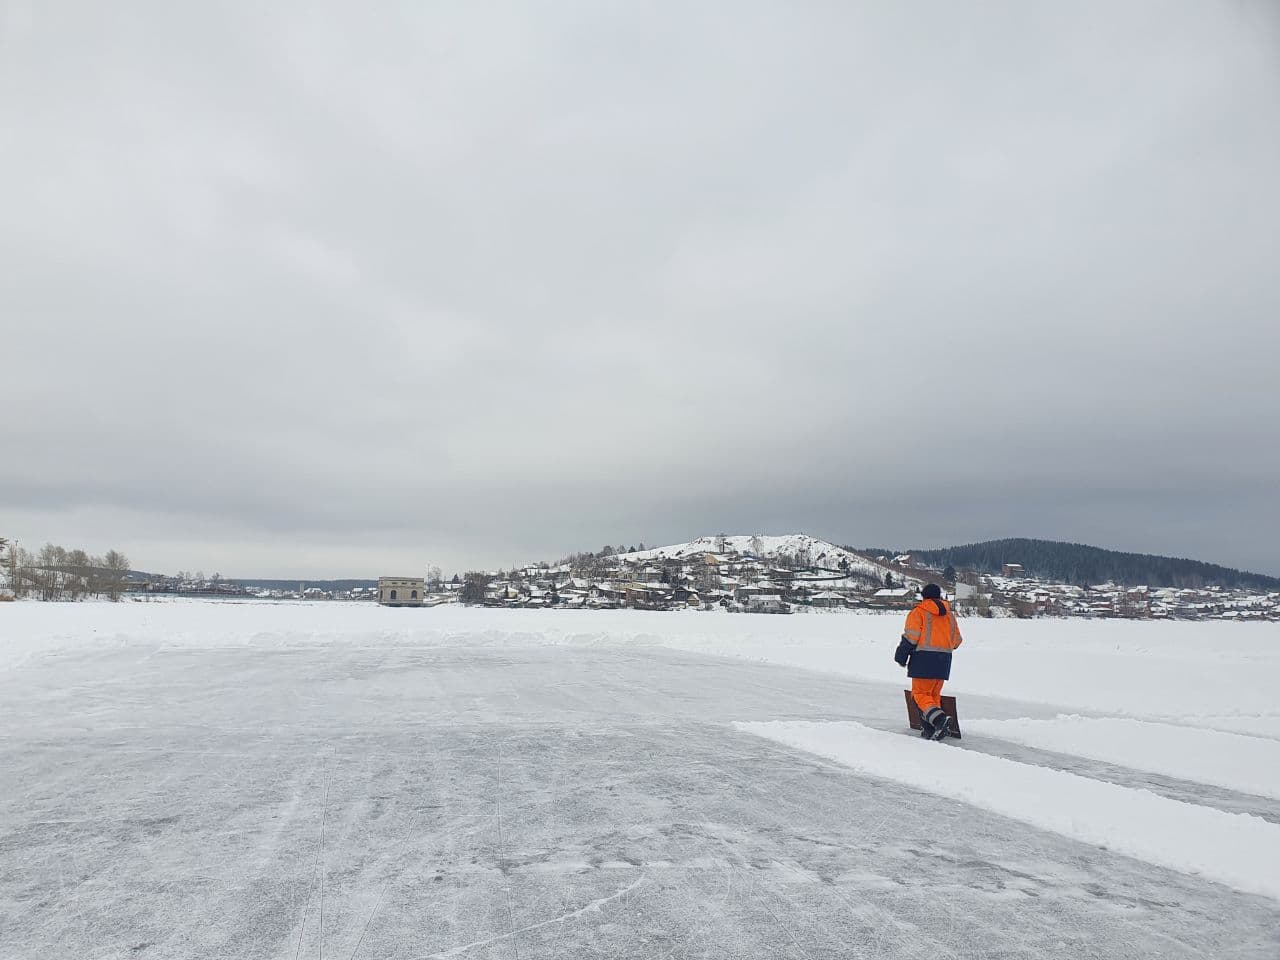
(932, 633)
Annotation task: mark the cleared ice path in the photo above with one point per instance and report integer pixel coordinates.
(1232, 848)
(470, 800)
(1229, 760)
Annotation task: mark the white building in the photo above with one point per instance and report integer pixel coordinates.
(401, 591)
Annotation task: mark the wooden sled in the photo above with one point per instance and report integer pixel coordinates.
(948, 707)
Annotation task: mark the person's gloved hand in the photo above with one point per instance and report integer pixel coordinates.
(903, 653)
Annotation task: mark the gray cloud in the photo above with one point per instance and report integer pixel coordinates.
(324, 291)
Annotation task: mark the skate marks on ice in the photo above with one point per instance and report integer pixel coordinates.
(592, 907)
(638, 840)
(1234, 849)
(521, 803)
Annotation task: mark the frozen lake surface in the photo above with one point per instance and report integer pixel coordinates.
(192, 780)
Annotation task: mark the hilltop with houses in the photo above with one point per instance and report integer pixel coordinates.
(793, 573)
(738, 573)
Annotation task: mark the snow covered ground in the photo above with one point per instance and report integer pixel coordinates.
(198, 779)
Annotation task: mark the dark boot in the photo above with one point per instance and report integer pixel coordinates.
(935, 721)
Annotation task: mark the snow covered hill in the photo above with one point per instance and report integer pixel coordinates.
(808, 551)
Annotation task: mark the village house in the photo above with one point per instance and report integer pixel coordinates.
(767, 603)
(643, 596)
(686, 596)
(1036, 603)
(827, 599)
(762, 588)
(893, 598)
(650, 575)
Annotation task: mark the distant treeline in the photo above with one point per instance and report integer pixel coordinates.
(343, 585)
(1080, 564)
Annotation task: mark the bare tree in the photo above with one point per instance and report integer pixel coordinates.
(49, 565)
(116, 565)
(77, 573)
(21, 570)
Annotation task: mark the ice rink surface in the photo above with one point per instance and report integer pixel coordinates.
(484, 794)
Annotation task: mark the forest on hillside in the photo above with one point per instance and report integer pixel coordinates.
(1080, 564)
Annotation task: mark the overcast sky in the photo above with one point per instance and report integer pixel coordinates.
(347, 290)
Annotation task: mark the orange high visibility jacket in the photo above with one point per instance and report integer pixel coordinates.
(928, 639)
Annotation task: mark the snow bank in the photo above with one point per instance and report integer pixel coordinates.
(1235, 849)
(1247, 764)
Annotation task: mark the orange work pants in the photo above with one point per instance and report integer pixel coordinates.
(926, 693)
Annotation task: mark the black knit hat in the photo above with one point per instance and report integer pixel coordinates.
(932, 592)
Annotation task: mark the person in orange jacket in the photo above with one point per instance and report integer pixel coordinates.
(925, 650)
